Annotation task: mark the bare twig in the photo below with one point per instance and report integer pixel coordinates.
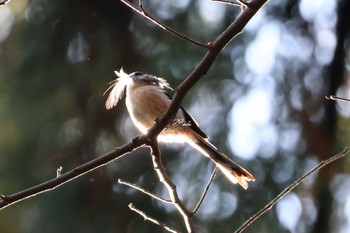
(147, 218)
(241, 6)
(290, 188)
(165, 179)
(7, 200)
(239, 3)
(204, 194)
(120, 181)
(142, 12)
(333, 97)
(229, 2)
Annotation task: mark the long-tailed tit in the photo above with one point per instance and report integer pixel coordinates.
(146, 101)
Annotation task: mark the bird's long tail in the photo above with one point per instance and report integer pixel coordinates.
(234, 172)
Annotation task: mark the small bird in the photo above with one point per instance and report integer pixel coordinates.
(147, 100)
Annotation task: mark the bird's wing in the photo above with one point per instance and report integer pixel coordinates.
(193, 123)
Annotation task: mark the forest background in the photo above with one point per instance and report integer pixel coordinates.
(263, 103)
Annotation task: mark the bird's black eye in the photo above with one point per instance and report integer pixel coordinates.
(138, 73)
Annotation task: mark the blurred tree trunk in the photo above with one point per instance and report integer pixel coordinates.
(321, 136)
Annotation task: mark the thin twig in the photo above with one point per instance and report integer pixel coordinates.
(120, 181)
(165, 179)
(240, 3)
(241, 6)
(142, 12)
(147, 218)
(290, 188)
(333, 97)
(228, 2)
(213, 174)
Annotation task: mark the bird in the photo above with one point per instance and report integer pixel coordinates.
(147, 100)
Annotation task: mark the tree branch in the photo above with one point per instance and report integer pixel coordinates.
(61, 179)
(165, 179)
(164, 174)
(290, 188)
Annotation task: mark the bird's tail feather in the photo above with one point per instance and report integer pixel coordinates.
(234, 172)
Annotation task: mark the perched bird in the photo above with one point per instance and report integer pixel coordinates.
(146, 101)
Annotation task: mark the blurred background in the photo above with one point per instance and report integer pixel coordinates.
(262, 103)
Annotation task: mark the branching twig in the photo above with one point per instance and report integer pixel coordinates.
(120, 181)
(204, 194)
(333, 97)
(290, 188)
(165, 179)
(142, 12)
(147, 218)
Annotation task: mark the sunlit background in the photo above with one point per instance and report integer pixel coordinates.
(262, 103)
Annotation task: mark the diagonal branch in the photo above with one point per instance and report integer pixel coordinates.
(7, 200)
(290, 188)
(204, 194)
(165, 179)
(142, 12)
(147, 218)
(120, 181)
